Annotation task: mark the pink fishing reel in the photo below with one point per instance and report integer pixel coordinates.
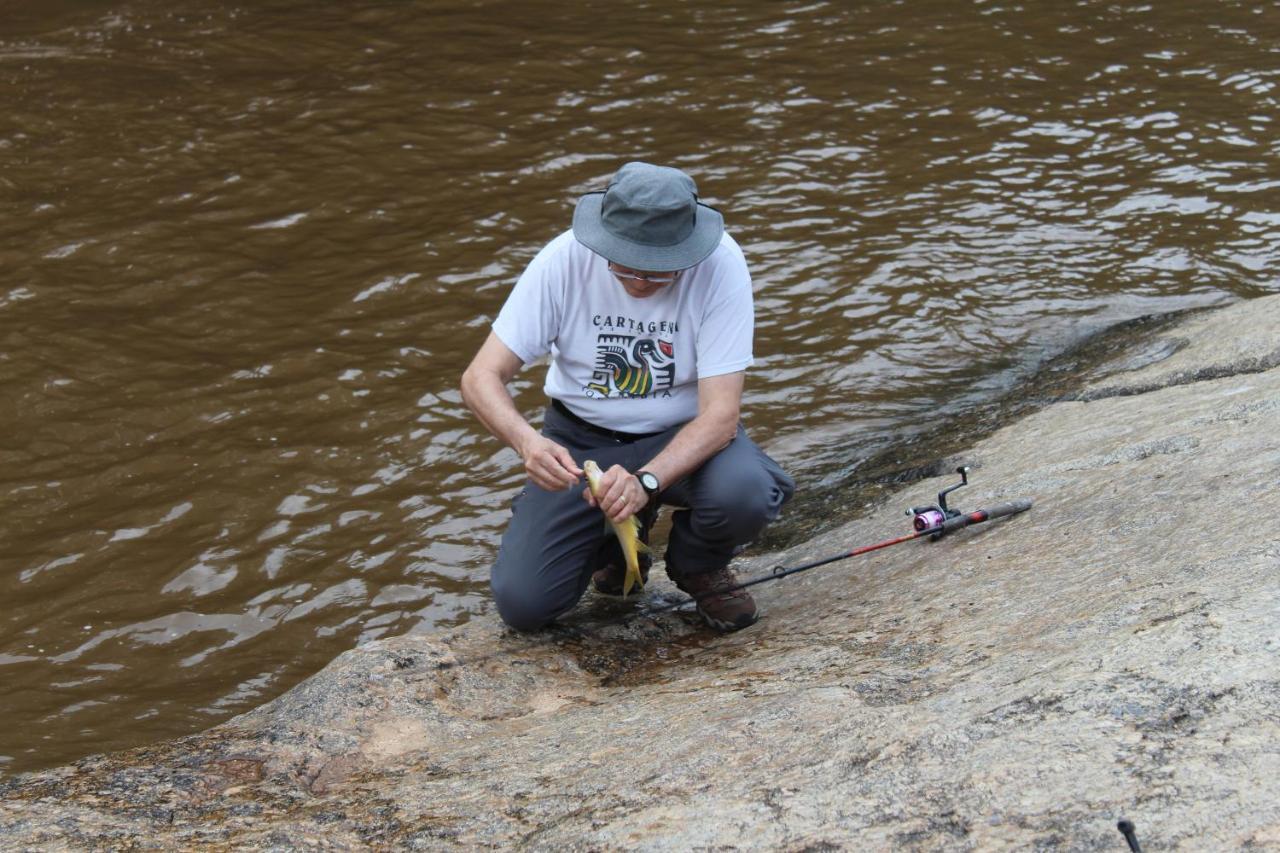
(927, 517)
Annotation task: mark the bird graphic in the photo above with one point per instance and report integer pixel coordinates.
(626, 366)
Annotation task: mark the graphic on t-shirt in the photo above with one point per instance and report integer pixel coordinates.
(632, 366)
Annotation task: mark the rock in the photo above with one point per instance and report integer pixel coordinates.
(1024, 683)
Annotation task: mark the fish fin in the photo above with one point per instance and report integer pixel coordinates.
(634, 524)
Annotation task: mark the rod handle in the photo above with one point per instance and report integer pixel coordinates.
(1010, 508)
(997, 511)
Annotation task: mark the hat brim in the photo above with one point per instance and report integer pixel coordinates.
(589, 230)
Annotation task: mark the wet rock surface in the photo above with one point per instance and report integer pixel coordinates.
(1024, 683)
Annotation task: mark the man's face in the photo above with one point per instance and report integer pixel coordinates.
(642, 284)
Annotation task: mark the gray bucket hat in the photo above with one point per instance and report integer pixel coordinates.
(649, 218)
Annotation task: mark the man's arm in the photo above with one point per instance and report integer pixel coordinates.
(484, 390)
(719, 404)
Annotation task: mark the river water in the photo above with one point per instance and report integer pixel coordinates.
(248, 249)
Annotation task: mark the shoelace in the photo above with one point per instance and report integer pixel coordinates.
(721, 579)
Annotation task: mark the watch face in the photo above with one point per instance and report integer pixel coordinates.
(649, 481)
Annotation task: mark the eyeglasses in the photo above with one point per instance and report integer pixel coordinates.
(647, 279)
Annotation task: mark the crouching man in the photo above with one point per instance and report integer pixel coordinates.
(645, 307)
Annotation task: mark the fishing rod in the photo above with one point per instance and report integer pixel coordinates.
(932, 520)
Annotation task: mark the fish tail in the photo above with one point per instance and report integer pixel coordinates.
(631, 579)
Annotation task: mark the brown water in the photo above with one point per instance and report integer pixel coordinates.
(247, 251)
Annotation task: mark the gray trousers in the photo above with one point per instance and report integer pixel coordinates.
(555, 539)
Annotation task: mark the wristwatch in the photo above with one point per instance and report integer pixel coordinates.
(648, 482)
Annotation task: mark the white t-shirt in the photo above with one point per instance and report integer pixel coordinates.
(621, 362)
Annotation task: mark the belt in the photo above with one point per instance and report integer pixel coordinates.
(612, 434)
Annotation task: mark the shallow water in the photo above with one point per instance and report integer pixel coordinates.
(247, 251)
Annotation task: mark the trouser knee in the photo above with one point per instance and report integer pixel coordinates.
(520, 605)
(521, 616)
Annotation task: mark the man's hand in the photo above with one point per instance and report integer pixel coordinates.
(621, 495)
(548, 464)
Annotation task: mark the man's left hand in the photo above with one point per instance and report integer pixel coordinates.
(621, 494)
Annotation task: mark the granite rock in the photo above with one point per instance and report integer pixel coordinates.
(1114, 652)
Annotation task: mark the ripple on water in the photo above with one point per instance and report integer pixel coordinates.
(233, 333)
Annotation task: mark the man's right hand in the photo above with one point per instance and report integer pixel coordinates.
(548, 464)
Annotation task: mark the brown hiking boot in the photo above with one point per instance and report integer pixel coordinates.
(725, 611)
(608, 579)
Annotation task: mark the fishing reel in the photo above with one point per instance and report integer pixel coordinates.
(934, 515)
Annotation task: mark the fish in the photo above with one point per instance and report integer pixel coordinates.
(628, 532)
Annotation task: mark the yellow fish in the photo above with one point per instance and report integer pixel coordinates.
(628, 532)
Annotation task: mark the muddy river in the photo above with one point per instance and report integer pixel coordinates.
(247, 249)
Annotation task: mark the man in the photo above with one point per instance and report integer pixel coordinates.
(645, 308)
